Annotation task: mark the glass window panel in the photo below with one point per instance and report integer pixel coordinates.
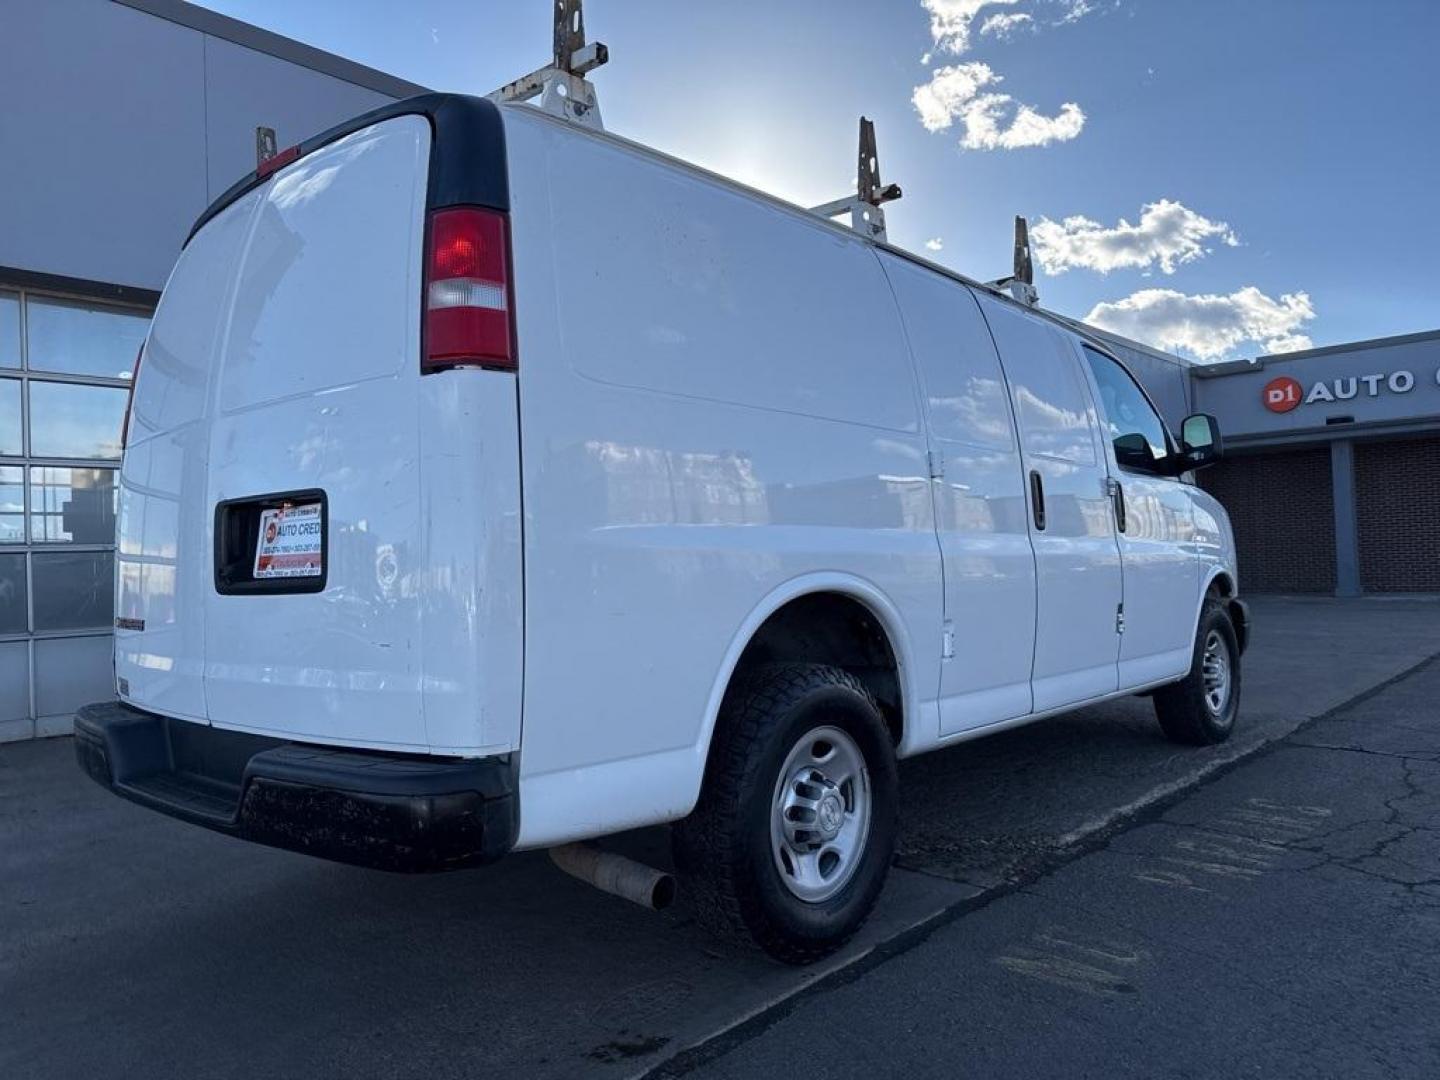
(10, 439)
(72, 505)
(12, 505)
(70, 672)
(14, 681)
(74, 590)
(9, 329)
(1124, 409)
(83, 339)
(12, 594)
(67, 420)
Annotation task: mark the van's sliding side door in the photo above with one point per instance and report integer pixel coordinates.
(989, 569)
(1072, 527)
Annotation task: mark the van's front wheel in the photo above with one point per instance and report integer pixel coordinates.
(791, 841)
(1200, 709)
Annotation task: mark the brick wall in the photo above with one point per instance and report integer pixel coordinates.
(1282, 508)
(1397, 495)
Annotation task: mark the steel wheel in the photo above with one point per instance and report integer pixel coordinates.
(820, 814)
(1215, 673)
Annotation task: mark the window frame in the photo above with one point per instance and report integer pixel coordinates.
(1171, 446)
(28, 643)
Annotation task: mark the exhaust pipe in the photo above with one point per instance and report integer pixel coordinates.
(616, 875)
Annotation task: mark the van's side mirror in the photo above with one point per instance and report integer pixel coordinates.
(1200, 442)
(1133, 450)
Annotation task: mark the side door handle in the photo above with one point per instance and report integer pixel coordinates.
(1117, 496)
(1037, 499)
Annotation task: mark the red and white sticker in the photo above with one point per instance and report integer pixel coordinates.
(291, 543)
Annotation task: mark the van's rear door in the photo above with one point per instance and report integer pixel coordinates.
(363, 574)
(316, 406)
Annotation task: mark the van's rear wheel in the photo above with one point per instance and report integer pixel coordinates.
(1200, 709)
(791, 841)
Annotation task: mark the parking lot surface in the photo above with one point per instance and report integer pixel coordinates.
(1281, 921)
(135, 945)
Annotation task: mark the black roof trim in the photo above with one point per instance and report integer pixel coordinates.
(467, 152)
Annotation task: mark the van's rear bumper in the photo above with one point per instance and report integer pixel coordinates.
(389, 811)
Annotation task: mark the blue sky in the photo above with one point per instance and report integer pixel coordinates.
(1288, 150)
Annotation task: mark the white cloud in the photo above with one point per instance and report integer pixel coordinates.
(986, 126)
(950, 21)
(1208, 326)
(1002, 24)
(935, 243)
(945, 96)
(1168, 233)
(991, 121)
(1075, 11)
(1288, 343)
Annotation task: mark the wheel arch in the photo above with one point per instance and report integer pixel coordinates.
(1220, 585)
(820, 590)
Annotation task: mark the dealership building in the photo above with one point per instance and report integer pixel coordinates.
(129, 116)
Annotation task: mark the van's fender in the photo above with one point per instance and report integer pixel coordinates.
(856, 588)
(579, 803)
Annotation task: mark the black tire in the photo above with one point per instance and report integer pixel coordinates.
(1184, 709)
(723, 850)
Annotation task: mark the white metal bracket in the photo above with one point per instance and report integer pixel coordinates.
(864, 207)
(1020, 284)
(561, 85)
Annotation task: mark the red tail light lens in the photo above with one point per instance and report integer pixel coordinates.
(130, 398)
(467, 291)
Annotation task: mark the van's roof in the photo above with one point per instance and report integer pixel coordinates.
(468, 130)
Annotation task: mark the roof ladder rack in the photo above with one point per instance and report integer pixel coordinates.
(1021, 283)
(561, 85)
(866, 217)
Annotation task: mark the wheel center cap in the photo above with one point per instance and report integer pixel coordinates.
(830, 815)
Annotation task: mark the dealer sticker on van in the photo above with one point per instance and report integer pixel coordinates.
(290, 542)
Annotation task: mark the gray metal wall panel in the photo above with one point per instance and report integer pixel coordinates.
(102, 135)
(119, 127)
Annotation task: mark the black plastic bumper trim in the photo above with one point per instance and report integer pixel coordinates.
(399, 812)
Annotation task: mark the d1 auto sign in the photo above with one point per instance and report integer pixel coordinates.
(1282, 394)
(290, 543)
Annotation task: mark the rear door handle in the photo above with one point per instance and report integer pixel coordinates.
(1117, 496)
(1037, 499)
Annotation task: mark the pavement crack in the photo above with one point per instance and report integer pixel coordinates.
(1361, 750)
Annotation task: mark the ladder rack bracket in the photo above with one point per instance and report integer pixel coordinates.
(864, 207)
(561, 85)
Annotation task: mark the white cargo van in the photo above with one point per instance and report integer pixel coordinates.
(493, 483)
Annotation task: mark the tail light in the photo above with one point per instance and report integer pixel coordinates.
(467, 291)
(130, 398)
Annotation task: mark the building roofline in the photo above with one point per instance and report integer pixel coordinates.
(1231, 367)
(1355, 346)
(282, 48)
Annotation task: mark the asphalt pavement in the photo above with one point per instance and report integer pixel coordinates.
(1280, 921)
(131, 944)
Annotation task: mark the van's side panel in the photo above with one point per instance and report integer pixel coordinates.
(715, 400)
